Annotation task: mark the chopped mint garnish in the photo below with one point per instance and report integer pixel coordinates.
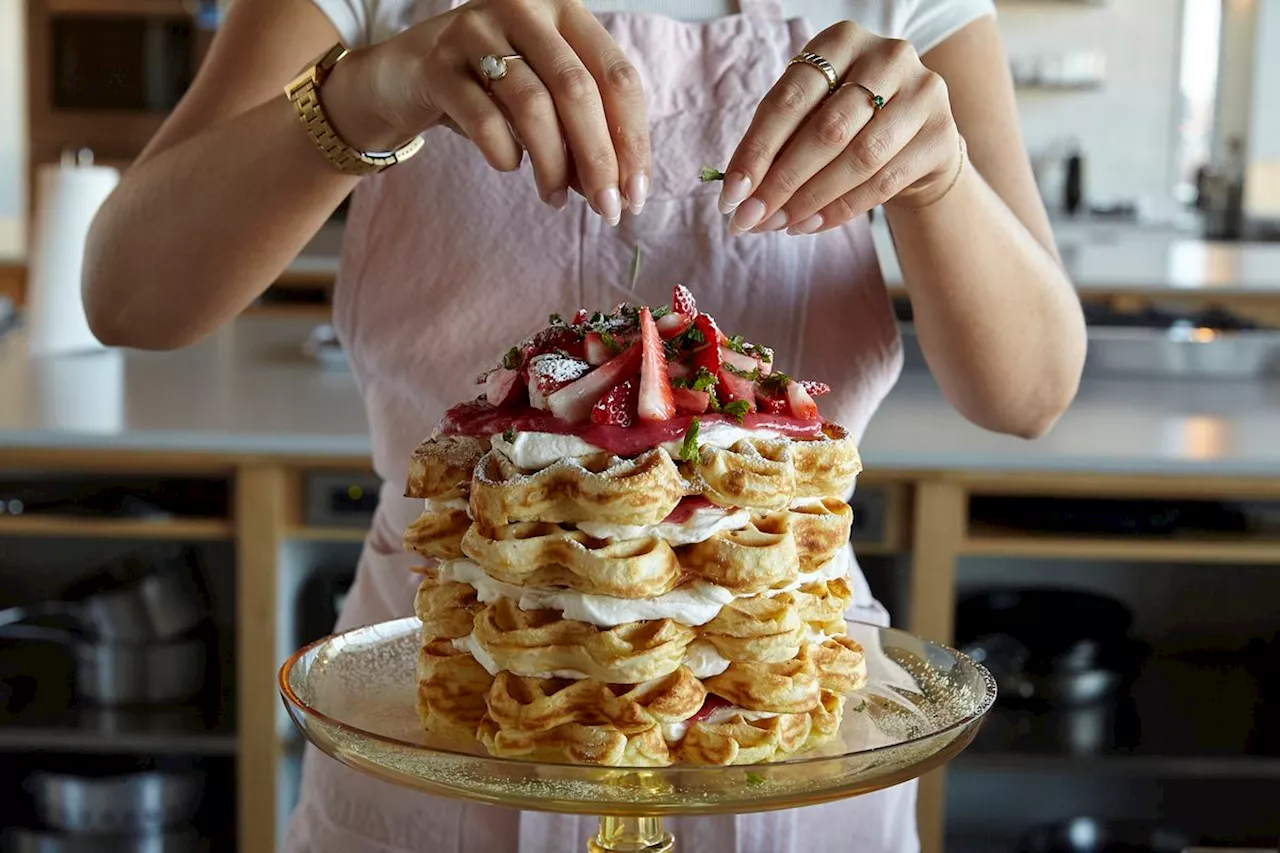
(708, 174)
(736, 410)
(689, 447)
(753, 374)
(611, 342)
(512, 359)
(775, 382)
(713, 401)
(737, 344)
(661, 311)
(635, 267)
(693, 335)
(679, 383)
(862, 706)
(702, 380)
(755, 779)
(508, 435)
(556, 320)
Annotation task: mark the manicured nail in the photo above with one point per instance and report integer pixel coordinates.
(737, 186)
(609, 205)
(559, 199)
(637, 192)
(813, 223)
(775, 222)
(747, 216)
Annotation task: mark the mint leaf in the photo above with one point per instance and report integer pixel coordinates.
(689, 447)
(555, 320)
(702, 380)
(512, 359)
(862, 706)
(755, 779)
(736, 410)
(509, 435)
(753, 374)
(775, 382)
(661, 311)
(611, 342)
(708, 174)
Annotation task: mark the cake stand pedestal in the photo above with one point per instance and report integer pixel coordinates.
(353, 696)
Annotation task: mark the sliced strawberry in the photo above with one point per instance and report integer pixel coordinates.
(596, 350)
(580, 317)
(676, 370)
(682, 301)
(741, 361)
(731, 388)
(799, 402)
(815, 389)
(655, 386)
(708, 353)
(553, 338)
(709, 705)
(502, 386)
(770, 402)
(690, 402)
(618, 406)
(673, 324)
(548, 373)
(573, 402)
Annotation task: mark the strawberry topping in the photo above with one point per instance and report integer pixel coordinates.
(655, 402)
(627, 381)
(682, 301)
(709, 706)
(690, 402)
(574, 401)
(618, 407)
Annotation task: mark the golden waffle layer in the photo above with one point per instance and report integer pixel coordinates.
(441, 463)
(768, 553)
(795, 685)
(741, 740)
(452, 688)
(438, 533)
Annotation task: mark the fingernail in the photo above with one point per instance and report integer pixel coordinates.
(637, 192)
(559, 199)
(748, 215)
(736, 187)
(773, 223)
(609, 205)
(808, 226)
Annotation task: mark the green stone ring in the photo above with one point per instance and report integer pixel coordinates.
(877, 101)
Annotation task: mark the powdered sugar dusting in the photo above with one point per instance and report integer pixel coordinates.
(553, 369)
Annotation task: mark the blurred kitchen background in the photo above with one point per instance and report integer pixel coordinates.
(172, 525)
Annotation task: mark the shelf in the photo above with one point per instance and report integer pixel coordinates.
(327, 534)
(993, 541)
(1202, 717)
(192, 529)
(172, 731)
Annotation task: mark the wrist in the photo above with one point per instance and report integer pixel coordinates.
(937, 185)
(350, 103)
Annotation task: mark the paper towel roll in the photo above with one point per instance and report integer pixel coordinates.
(67, 197)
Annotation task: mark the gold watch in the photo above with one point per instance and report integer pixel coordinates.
(304, 93)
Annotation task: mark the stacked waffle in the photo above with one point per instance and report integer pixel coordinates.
(632, 594)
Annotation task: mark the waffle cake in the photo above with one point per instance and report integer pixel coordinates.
(637, 545)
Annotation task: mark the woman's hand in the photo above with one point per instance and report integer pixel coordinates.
(814, 159)
(574, 101)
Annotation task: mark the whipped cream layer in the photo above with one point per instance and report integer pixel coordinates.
(537, 450)
(675, 732)
(701, 525)
(446, 505)
(701, 658)
(692, 604)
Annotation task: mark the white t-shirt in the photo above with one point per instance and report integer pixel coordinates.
(924, 23)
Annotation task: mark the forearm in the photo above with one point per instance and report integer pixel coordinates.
(997, 318)
(193, 234)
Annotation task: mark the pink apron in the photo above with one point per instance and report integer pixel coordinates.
(447, 262)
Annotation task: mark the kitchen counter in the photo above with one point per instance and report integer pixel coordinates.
(250, 390)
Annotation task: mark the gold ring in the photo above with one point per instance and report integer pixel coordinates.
(819, 62)
(876, 100)
(494, 67)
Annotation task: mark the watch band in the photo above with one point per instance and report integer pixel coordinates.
(304, 93)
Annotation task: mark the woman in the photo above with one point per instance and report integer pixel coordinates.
(607, 119)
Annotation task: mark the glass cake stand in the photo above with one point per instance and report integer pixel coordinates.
(353, 696)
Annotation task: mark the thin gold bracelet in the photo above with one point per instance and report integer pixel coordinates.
(964, 156)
